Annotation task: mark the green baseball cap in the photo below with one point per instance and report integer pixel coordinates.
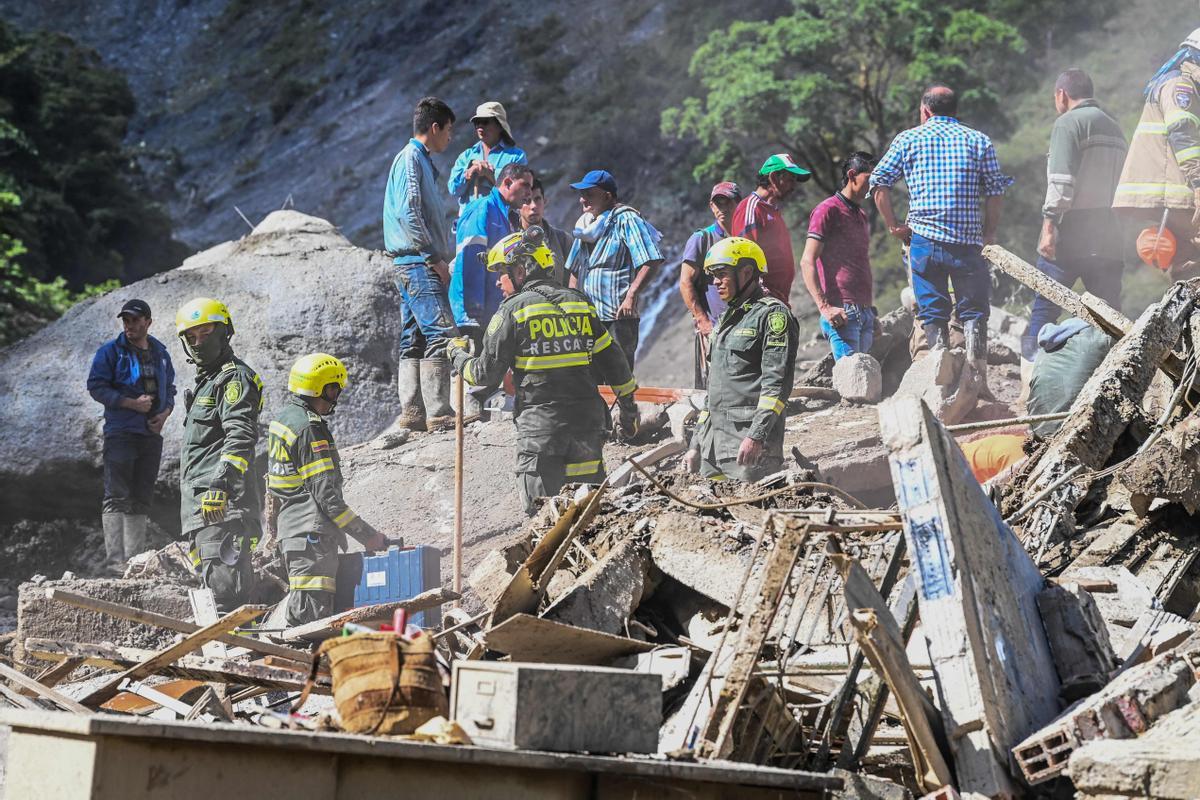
(784, 161)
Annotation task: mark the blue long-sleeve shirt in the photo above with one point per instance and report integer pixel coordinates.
(474, 296)
(416, 222)
(465, 191)
(116, 374)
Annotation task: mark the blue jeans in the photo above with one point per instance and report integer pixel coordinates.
(1101, 277)
(426, 321)
(130, 469)
(857, 333)
(937, 265)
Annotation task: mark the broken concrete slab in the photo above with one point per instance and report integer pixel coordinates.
(1083, 654)
(941, 380)
(605, 597)
(527, 638)
(1160, 764)
(1169, 468)
(858, 378)
(42, 618)
(1119, 609)
(682, 548)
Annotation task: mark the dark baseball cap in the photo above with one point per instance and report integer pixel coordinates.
(597, 177)
(139, 307)
(726, 189)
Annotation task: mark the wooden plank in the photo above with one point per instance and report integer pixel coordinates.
(172, 624)
(977, 589)
(26, 682)
(57, 673)
(169, 654)
(621, 475)
(716, 737)
(528, 638)
(330, 626)
(204, 612)
(195, 668)
(17, 699)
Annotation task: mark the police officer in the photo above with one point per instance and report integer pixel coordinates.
(752, 354)
(220, 489)
(552, 339)
(305, 478)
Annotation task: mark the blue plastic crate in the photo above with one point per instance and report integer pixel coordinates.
(398, 574)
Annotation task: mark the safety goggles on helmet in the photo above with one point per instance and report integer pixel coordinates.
(311, 374)
(736, 251)
(529, 244)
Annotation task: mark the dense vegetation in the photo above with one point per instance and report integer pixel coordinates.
(72, 213)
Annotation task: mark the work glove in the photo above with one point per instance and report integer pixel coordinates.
(459, 344)
(213, 505)
(366, 535)
(627, 418)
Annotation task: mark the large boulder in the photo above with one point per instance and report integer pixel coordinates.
(294, 285)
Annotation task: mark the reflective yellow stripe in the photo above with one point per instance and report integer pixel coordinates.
(312, 583)
(523, 314)
(601, 343)
(282, 431)
(626, 388)
(1187, 154)
(1181, 116)
(345, 518)
(553, 362)
(1154, 188)
(770, 404)
(582, 468)
(237, 461)
(1151, 128)
(718, 478)
(284, 481)
(703, 416)
(315, 468)
(195, 556)
(468, 374)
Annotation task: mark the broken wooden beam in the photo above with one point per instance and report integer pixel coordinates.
(977, 589)
(1109, 401)
(195, 668)
(330, 626)
(45, 692)
(167, 655)
(173, 624)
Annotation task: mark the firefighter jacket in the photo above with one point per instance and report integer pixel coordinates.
(220, 433)
(1162, 169)
(305, 475)
(558, 349)
(752, 354)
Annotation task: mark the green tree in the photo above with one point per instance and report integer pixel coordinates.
(831, 78)
(63, 121)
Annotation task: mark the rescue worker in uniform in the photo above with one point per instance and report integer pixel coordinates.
(558, 349)
(1159, 189)
(752, 354)
(305, 480)
(220, 488)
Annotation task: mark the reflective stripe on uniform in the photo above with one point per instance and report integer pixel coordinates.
(582, 468)
(1154, 188)
(315, 468)
(284, 481)
(1151, 129)
(312, 583)
(194, 555)
(703, 416)
(468, 374)
(282, 431)
(601, 343)
(626, 388)
(345, 518)
(237, 461)
(539, 309)
(1187, 154)
(1178, 116)
(538, 363)
(770, 404)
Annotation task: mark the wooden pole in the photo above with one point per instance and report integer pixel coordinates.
(460, 391)
(967, 427)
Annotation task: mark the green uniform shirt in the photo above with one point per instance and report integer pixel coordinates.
(752, 355)
(306, 475)
(558, 349)
(220, 432)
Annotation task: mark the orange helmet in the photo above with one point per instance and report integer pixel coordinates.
(1157, 249)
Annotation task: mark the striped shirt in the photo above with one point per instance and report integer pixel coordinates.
(948, 168)
(607, 267)
(758, 220)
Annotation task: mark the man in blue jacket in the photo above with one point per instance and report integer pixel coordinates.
(132, 377)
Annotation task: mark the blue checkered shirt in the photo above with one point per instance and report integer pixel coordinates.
(948, 168)
(605, 271)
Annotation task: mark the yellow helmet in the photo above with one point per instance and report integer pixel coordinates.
(201, 311)
(735, 252)
(313, 372)
(529, 243)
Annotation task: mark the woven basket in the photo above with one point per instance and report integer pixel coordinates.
(383, 684)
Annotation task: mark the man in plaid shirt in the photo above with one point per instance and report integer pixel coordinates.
(949, 169)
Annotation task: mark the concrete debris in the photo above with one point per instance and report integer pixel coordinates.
(605, 597)
(1162, 764)
(858, 378)
(1083, 655)
(942, 381)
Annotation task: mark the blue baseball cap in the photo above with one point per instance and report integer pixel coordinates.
(597, 177)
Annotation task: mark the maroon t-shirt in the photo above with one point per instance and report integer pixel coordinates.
(844, 267)
(760, 221)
